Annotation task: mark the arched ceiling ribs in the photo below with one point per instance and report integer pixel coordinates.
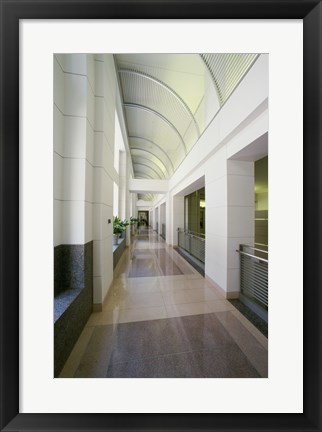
(156, 145)
(146, 197)
(152, 154)
(227, 70)
(171, 125)
(213, 78)
(145, 177)
(141, 159)
(147, 166)
(137, 159)
(167, 88)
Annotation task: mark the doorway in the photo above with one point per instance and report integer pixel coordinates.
(143, 216)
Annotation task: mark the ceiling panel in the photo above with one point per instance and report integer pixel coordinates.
(148, 161)
(183, 72)
(146, 197)
(148, 146)
(151, 126)
(169, 100)
(145, 168)
(139, 152)
(227, 70)
(147, 91)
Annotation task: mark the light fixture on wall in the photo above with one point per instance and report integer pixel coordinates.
(202, 203)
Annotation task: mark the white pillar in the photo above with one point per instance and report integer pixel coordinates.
(122, 185)
(156, 218)
(216, 219)
(71, 115)
(103, 174)
(151, 218)
(229, 200)
(240, 217)
(128, 197)
(159, 220)
(168, 218)
(177, 217)
(162, 216)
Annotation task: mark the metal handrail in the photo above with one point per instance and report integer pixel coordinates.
(193, 234)
(256, 249)
(253, 256)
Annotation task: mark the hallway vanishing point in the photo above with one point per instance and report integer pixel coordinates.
(162, 319)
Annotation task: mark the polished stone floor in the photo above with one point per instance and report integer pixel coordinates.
(162, 319)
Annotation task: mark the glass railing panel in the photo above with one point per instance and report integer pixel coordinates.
(163, 231)
(193, 243)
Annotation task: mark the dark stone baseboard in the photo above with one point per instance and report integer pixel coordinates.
(73, 300)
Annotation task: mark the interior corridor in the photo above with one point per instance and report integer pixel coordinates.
(162, 319)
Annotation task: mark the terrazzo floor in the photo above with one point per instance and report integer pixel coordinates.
(162, 319)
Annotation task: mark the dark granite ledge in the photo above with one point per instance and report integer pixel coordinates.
(63, 300)
(257, 321)
(198, 265)
(120, 241)
(118, 250)
(73, 299)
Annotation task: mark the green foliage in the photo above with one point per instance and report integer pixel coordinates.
(119, 225)
(125, 223)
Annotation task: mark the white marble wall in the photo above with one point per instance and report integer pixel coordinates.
(73, 149)
(84, 123)
(163, 210)
(156, 218)
(128, 196)
(122, 185)
(229, 218)
(216, 218)
(177, 218)
(241, 215)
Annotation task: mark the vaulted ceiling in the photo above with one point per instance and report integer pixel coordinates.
(169, 100)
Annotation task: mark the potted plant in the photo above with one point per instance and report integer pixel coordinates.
(118, 228)
(134, 224)
(125, 223)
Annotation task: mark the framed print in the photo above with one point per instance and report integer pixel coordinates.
(37, 35)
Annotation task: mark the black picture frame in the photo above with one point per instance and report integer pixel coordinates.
(11, 12)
